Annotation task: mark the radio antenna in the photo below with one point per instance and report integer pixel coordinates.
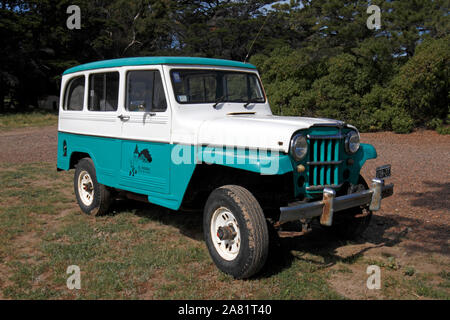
(249, 50)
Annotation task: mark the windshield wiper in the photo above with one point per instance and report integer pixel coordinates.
(217, 101)
(251, 101)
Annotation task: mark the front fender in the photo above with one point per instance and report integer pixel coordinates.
(259, 161)
(365, 152)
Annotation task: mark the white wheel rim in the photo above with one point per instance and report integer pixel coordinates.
(86, 188)
(227, 249)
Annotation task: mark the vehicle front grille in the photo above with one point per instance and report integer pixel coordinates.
(324, 161)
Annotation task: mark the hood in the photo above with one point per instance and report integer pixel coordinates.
(256, 131)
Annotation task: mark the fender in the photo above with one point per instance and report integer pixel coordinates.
(366, 151)
(260, 161)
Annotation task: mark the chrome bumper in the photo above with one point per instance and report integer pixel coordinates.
(330, 203)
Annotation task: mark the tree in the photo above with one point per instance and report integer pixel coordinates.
(422, 87)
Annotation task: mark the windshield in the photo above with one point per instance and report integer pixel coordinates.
(211, 86)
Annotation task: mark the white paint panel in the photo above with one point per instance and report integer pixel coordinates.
(187, 123)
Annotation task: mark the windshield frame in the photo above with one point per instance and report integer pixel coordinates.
(214, 70)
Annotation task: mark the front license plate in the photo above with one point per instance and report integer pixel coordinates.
(383, 171)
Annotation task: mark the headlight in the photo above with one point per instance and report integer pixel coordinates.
(299, 147)
(352, 142)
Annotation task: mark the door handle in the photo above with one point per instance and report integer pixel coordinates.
(123, 117)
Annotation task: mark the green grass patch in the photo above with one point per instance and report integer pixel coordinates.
(26, 120)
(149, 252)
(425, 289)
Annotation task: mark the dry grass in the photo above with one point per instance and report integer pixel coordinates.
(27, 120)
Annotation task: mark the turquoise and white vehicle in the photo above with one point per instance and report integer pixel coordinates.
(199, 133)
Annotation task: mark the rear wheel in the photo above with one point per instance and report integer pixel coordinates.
(235, 231)
(92, 197)
(351, 223)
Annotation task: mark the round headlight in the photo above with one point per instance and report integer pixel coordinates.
(352, 142)
(299, 147)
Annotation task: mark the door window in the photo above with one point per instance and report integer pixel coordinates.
(145, 91)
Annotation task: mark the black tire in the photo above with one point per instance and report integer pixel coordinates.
(351, 223)
(252, 225)
(101, 201)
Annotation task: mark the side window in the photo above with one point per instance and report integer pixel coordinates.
(145, 91)
(103, 91)
(74, 95)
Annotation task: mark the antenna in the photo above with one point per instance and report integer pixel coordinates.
(249, 50)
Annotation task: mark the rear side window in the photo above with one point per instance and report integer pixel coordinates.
(145, 91)
(103, 91)
(74, 95)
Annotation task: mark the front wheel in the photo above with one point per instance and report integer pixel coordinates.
(235, 231)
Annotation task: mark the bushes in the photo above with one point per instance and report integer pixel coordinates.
(361, 88)
(421, 87)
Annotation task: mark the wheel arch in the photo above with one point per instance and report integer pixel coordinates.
(269, 190)
(76, 156)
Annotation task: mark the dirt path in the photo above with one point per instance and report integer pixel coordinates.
(421, 174)
(29, 145)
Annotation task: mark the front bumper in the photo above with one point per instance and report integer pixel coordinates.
(330, 203)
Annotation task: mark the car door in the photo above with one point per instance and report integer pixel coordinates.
(146, 130)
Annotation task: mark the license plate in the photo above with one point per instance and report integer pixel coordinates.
(383, 171)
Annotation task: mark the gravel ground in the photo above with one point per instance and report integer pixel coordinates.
(419, 210)
(420, 172)
(29, 145)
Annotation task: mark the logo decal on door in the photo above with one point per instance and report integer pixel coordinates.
(140, 161)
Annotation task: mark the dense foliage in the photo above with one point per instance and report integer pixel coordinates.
(316, 57)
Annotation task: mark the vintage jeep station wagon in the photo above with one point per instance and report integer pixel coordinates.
(185, 132)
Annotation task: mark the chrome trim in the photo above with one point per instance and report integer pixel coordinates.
(326, 218)
(377, 186)
(339, 124)
(320, 187)
(330, 204)
(336, 136)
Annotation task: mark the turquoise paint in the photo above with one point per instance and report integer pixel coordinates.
(144, 167)
(147, 167)
(104, 152)
(259, 161)
(140, 61)
(124, 164)
(365, 152)
(136, 166)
